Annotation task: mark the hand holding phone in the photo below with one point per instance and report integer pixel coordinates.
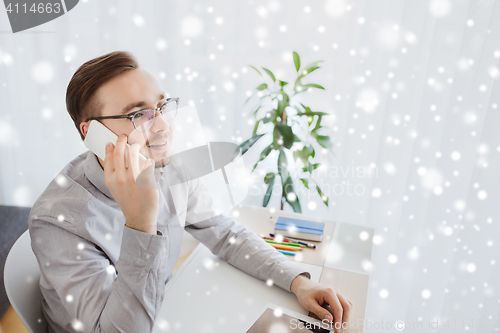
(97, 137)
(139, 204)
(129, 178)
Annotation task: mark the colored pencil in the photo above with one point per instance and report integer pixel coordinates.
(282, 243)
(286, 247)
(287, 252)
(296, 241)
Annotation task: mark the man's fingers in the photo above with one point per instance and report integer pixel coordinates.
(333, 301)
(119, 153)
(134, 159)
(321, 312)
(108, 160)
(146, 178)
(346, 305)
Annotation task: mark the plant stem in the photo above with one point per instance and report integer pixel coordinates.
(282, 201)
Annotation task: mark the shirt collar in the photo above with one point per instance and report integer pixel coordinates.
(95, 173)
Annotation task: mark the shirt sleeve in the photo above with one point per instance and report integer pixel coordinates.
(236, 244)
(85, 292)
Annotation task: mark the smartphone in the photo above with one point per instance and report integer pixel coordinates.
(97, 137)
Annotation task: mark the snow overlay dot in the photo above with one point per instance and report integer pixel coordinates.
(440, 8)
(376, 192)
(335, 8)
(482, 195)
(448, 230)
(278, 312)
(191, 26)
(161, 44)
(471, 268)
(413, 254)
(377, 239)
(138, 20)
(426, 294)
(77, 325)
(43, 72)
(368, 100)
(110, 270)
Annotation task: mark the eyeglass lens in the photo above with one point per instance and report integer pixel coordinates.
(144, 120)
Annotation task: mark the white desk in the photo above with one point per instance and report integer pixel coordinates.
(209, 295)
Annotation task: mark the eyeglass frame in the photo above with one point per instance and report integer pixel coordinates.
(131, 115)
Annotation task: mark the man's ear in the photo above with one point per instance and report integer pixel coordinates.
(84, 127)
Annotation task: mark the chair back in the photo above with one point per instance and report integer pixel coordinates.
(22, 277)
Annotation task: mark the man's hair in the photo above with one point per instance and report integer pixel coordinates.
(81, 100)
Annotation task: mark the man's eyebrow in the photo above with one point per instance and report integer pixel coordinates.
(140, 104)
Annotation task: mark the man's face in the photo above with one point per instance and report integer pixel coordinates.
(132, 91)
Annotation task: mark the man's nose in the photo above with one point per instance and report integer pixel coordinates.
(159, 124)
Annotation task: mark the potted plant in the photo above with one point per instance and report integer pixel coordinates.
(279, 106)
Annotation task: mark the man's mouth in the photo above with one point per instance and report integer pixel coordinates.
(159, 144)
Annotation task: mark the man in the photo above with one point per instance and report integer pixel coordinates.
(106, 246)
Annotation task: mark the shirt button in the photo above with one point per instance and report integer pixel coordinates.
(164, 250)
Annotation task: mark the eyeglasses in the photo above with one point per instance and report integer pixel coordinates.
(144, 119)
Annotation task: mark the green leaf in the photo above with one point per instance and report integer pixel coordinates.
(269, 191)
(255, 112)
(282, 83)
(269, 73)
(265, 152)
(308, 71)
(324, 198)
(255, 70)
(268, 177)
(304, 154)
(290, 195)
(248, 99)
(317, 126)
(270, 116)
(296, 138)
(254, 167)
(310, 120)
(256, 127)
(249, 143)
(313, 85)
(316, 165)
(311, 65)
(305, 182)
(263, 155)
(262, 87)
(282, 165)
(308, 109)
(281, 107)
(287, 134)
(324, 141)
(296, 60)
(313, 113)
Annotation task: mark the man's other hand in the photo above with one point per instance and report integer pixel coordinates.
(312, 296)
